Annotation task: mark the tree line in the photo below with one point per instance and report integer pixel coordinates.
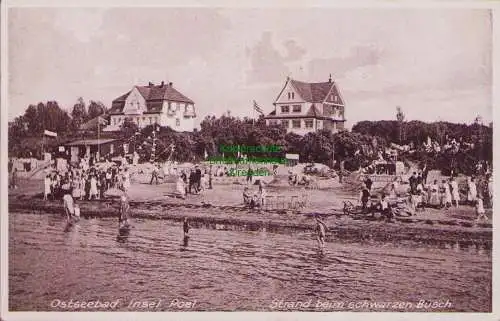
(356, 148)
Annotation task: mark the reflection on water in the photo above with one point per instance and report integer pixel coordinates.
(230, 270)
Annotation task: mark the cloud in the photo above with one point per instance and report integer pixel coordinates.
(266, 63)
(294, 51)
(358, 56)
(80, 23)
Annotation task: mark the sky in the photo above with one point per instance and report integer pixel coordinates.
(435, 63)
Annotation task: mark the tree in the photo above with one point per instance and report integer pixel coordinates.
(128, 128)
(400, 116)
(47, 116)
(96, 109)
(79, 113)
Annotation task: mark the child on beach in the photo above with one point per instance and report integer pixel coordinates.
(481, 214)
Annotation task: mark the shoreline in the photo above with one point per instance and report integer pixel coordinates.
(217, 217)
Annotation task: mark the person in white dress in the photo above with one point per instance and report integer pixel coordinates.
(471, 191)
(447, 194)
(47, 182)
(455, 196)
(93, 188)
(481, 213)
(434, 194)
(81, 186)
(490, 190)
(180, 187)
(126, 181)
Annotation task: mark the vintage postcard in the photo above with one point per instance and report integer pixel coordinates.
(316, 158)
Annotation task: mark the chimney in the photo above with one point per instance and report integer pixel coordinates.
(162, 84)
(330, 79)
(150, 84)
(170, 84)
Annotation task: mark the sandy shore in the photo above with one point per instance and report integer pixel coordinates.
(222, 208)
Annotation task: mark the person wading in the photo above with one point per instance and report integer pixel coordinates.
(320, 234)
(124, 224)
(185, 228)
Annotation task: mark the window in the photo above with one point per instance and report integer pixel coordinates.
(296, 123)
(178, 107)
(156, 119)
(309, 123)
(151, 120)
(336, 98)
(177, 122)
(285, 123)
(111, 149)
(143, 119)
(296, 108)
(273, 122)
(285, 109)
(114, 121)
(319, 123)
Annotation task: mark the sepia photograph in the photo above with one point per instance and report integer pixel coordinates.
(268, 159)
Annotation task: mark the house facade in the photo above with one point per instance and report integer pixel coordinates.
(153, 104)
(306, 107)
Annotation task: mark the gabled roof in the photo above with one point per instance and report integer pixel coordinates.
(154, 96)
(315, 92)
(92, 123)
(92, 142)
(160, 92)
(312, 92)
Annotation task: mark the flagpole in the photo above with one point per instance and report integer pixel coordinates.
(253, 118)
(98, 137)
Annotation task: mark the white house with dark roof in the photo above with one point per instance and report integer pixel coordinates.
(305, 107)
(153, 104)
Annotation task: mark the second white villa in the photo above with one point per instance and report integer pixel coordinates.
(304, 107)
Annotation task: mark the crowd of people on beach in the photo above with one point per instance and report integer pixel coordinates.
(85, 182)
(439, 195)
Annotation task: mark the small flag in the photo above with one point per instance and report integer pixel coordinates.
(49, 133)
(102, 121)
(257, 108)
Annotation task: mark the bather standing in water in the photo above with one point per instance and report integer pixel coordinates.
(124, 214)
(69, 206)
(186, 227)
(321, 233)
